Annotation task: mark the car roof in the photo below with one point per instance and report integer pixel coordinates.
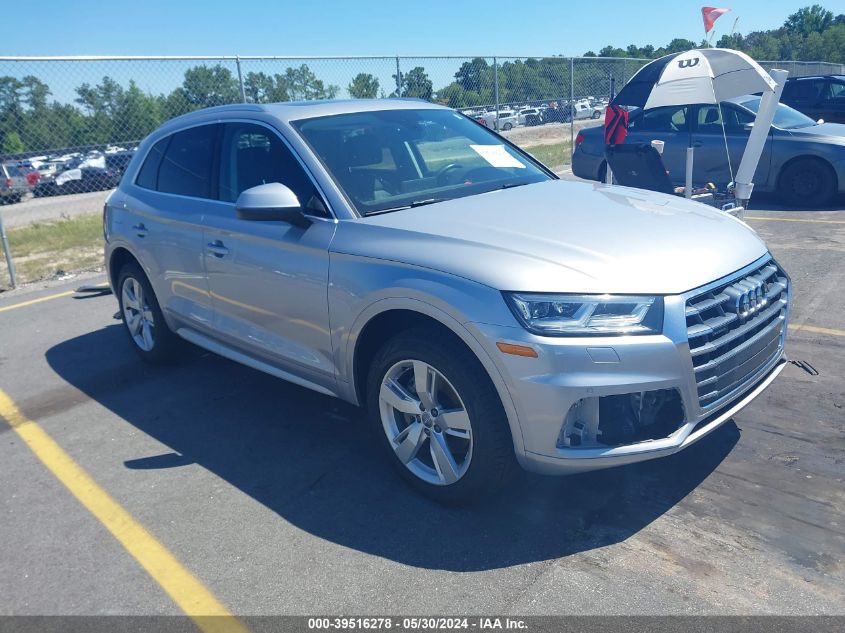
(294, 110)
(817, 77)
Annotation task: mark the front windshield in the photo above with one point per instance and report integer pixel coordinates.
(388, 160)
(785, 117)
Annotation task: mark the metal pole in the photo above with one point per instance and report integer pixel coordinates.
(241, 79)
(571, 106)
(398, 78)
(12, 274)
(496, 90)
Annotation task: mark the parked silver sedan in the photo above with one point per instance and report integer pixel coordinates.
(803, 161)
(400, 256)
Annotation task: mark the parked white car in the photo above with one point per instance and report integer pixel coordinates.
(508, 119)
(521, 116)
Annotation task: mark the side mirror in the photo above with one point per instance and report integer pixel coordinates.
(271, 201)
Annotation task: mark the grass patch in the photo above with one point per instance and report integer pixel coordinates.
(553, 156)
(45, 249)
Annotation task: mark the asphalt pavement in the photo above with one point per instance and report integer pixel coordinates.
(275, 499)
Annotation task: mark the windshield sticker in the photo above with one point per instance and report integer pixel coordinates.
(497, 156)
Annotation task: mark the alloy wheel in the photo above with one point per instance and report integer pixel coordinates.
(137, 314)
(426, 422)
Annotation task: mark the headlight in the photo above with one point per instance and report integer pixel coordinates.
(568, 315)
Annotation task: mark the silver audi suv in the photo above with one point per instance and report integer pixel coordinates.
(402, 257)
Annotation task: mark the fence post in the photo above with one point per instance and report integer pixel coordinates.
(13, 278)
(496, 90)
(241, 79)
(571, 106)
(398, 78)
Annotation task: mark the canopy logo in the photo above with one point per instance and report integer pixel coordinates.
(688, 63)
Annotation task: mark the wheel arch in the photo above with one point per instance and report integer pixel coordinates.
(814, 157)
(118, 258)
(387, 318)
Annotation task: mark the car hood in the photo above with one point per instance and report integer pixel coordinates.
(562, 237)
(834, 132)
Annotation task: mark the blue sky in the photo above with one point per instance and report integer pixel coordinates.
(362, 27)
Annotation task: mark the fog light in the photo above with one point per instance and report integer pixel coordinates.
(622, 419)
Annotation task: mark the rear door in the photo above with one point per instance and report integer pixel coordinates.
(717, 155)
(163, 218)
(269, 279)
(670, 125)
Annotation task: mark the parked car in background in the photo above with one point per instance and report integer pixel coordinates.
(13, 184)
(507, 119)
(802, 160)
(393, 254)
(522, 115)
(819, 97)
(118, 161)
(78, 180)
(29, 171)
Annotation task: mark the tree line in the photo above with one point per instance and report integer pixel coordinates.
(108, 112)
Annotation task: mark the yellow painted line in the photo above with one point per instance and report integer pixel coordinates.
(818, 330)
(180, 584)
(807, 220)
(58, 295)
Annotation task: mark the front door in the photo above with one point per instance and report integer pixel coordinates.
(713, 147)
(269, 279)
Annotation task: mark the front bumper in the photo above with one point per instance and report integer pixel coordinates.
(569, 370)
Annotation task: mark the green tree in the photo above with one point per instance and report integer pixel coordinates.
(814, 19)
(415, 83)
(302, 85)
(12, 144)
(475, 75)
(363, 86)
(205, 86)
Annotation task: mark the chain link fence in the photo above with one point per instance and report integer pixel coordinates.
(70, 124)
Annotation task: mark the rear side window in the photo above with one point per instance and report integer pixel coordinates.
(148, 174)
(186, 167)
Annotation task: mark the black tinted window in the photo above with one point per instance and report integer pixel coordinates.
(667, 119)
(186, 167)
(252, 155)
(148, 174)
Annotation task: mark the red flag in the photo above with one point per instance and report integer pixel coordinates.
(615, 125)
(710, 15)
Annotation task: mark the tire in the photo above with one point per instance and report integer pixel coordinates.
(152, 340)
(595, 115)
(807, 182)
(507, 126)
(471, 423)
(602, 175)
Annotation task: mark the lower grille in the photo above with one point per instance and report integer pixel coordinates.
(736, 329)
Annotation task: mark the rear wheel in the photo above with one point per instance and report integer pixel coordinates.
(807, 181)
(602, 175)
(142, 317)
(507, 126)
(438, 417)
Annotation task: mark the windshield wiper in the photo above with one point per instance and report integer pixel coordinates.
(509, 185)
(415, 203)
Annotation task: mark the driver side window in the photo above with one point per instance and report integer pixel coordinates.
(252, 155)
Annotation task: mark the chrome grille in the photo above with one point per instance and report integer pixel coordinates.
(735, 330)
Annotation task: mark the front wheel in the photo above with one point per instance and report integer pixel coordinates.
(507, 126)
(438, 417)
(807, 181)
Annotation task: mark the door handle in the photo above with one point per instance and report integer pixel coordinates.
(217, 249)
(140, 229)
(698, 144)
